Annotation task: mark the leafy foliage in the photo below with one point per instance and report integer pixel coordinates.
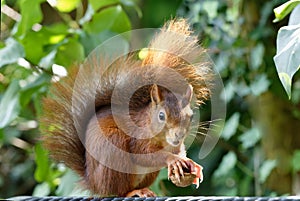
(239, 36)
(286, 59)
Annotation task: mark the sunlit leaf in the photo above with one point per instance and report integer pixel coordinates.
(232, 13)
(231, 126)
(242, 89)
(42, 189)
(66, 5)
(287, 58)
(228, 162)
(68, 183)
(222, 61)
(211, 7)
(228, 92)
(260, 84)
(9, 105)
(257, 55)
(266, 169)
(250, 137)
(29, 90)
(283, 10)
(47, 61)
(11, 52)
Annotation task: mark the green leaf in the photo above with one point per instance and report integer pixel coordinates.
(231, 126)
(31, 14)
(283, 10)
(69, 53)
(228, 162)
(96, 4)
(250, 138)
(211, 8)
(9, 105)
(286, 81)
(266, 169)
(242, 89)
(44, 42)
(42, 189)
(37, 40)
(296, 161)
(88, 15)
(66, 5)
(32, 88)
(228, 92)
(112, 18)
(47, 61)
(67, 183)
(233, 11)
(91, 40)
(287, 58)
(11, 52)
(257, 55)
(133, 4)
(222, 61)
(55, 33)
(42, 170)
(260, 84)
(8, 133)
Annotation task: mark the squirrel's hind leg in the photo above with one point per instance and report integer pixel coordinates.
(144, 192)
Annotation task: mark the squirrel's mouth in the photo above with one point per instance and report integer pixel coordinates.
(173, 142)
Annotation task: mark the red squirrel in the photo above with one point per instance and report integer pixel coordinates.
(118, 150)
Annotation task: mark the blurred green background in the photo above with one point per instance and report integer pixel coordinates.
(258, 153)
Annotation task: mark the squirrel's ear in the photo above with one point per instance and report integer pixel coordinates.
(188, 95)
(155, 94)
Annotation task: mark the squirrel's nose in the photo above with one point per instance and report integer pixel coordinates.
(179, 135)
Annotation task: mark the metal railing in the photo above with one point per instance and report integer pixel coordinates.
(186, 198)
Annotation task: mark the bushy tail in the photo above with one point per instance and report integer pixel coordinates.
(70, 105)
(176, 47)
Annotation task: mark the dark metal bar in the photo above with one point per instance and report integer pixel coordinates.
(189, 198)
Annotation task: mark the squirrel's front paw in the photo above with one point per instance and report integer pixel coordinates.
(144, 192)
(184, 172)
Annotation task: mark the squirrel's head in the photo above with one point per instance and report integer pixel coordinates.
(171, 114)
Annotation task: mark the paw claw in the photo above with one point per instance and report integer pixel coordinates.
(179, 167)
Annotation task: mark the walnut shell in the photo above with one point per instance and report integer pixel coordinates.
(184, 181)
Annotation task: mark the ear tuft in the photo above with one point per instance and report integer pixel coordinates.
(188, 96)
(189, 93)
(155, 94)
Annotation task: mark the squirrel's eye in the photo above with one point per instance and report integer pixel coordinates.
(162, 116)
